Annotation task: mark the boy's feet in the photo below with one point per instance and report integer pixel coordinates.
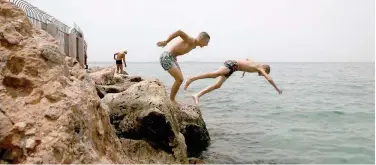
(187, 83)
(195, 98)
(174, 103)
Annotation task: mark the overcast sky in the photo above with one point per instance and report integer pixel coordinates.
(267, 30)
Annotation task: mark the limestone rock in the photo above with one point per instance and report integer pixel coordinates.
(103, 77)
(5, 129)
(193, 127)
(52, 53)
(143, 112)
(94, 69)
(53, 91)
(34, 84)
(61, 120)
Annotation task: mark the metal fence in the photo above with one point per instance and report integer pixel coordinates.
(41, 19)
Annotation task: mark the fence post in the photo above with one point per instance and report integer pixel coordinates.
(73, 45)
(81, 51)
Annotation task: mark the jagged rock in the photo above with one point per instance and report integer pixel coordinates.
(144, 112)
(53, 112)
(53, 91)
(20, 126)
(193, 127)
(103, 77)
(121, 83)
(94, 69)
(31, 143)
(34, 84)
(5, 130)
(141, 151)
(59, 117)
(52, 53)
(35, 96)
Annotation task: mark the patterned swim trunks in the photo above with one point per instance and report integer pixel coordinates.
(168, 61)
(232, 65)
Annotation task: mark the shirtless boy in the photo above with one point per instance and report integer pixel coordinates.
(119, 63)
(168, 59)
(224, 72)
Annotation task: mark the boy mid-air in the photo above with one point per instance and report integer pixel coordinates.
(224, 72)
(120, 58)
(168, 59)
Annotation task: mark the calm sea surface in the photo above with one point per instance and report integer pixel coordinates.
(326, 113)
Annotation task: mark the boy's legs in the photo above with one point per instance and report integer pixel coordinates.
(169, 64)
(121, 68)
(221, 71)
(117, 68)
(178, 76)
(210, 88)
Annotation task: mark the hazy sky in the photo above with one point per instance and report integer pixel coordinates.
(267, 30)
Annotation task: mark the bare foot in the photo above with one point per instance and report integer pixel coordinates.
(195, 99)
(187, 83)
(174, 103)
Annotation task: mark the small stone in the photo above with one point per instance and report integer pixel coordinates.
(31, 131)
(30, 143)
(20, 126)
(35, 97)
(53, 113)
(53, 90)
(100, 128)
(52, 53)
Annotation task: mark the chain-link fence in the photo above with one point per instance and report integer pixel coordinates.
(41, 19)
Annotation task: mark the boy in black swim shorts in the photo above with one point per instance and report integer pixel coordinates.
(225, 71)
(120, 58)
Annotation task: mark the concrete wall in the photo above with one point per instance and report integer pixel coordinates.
(53, 30)
(81, 51)
(73, 45)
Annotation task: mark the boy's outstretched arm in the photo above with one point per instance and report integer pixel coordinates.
(270, 80)
(180, 33)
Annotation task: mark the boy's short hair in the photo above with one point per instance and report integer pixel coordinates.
(267, 69)
(204, 34)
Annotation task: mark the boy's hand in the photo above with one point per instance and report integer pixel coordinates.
(162, 43)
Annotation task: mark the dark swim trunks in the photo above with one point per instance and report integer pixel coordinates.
(232, 65)
(119, 62)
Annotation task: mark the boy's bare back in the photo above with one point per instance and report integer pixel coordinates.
(183, 47)
(186, 44)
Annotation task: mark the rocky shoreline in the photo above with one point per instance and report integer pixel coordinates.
(54, 111)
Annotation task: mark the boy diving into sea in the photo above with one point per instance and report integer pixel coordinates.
(224, 72)
(168, 59)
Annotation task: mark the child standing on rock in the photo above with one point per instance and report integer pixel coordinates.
(168, 59)
(120, 58)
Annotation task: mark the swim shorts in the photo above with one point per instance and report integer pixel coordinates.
(119, 62)
(232, 65)
(168, 61)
